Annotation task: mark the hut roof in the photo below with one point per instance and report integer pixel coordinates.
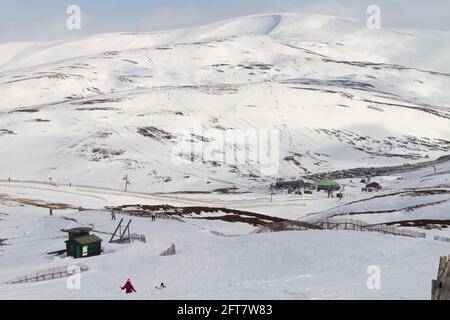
(78, 230)
(326, 183)
(84, 240)
(374, 185)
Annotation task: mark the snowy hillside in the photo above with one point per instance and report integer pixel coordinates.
(176, 110)
(90, 111)
(219, 255)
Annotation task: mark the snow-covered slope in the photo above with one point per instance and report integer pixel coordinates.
(90, 111)
(284, 265)
(225, 258)
(418, 195)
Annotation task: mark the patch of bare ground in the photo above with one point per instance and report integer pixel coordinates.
(426, 192)
(429, 110)
(185, 192)
(404, 193)
(4, 197)
(42, 204)
(256, 222)
(96, 101)
(99, 153)
(377, 171)
(102, 135)
(421, 223)
(40, 120)
(407, 147)
(6, 132)
(130, 61)
(231, 190)
(229, 215)
(289, 225)
(96, 109)
(27, 110)
(155, 133)
(407, 209)
(35, 203)
(69, 219)
(408, 192)
(48, 75)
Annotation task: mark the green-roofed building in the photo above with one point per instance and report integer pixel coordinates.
(327, 184)
(81, 244)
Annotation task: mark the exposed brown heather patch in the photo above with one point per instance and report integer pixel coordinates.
(195, 212)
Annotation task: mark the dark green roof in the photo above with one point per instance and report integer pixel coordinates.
(327, 182)
(84, 240)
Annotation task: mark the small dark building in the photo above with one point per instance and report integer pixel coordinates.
(295, 184)
(81, 244)
(374, 185)
(292, 185)
(308, 186)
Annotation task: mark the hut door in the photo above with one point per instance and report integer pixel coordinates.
(77, 252)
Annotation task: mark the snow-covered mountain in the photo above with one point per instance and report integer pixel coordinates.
(92, 110)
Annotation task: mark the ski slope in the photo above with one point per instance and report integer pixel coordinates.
(285, 265)
(217, 259)
(87, 112)
(337, 94)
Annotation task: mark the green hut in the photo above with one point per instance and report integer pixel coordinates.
(327, 184)
(81, 244)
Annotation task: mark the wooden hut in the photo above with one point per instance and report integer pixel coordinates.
(327, 184)
(374, 185)
(82, 244)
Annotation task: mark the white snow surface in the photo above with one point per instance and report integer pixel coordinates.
(218, 259)
(340, 95)
(285, 265)
(87, 112)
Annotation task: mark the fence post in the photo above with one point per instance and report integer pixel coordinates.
(440, 286)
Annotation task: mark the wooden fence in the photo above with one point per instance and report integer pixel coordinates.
(345, 224)
(285, 226)
(146, 214)
(171, 251)
(138, 237)
(440, 288)
(133, 236)
(357, 225)
(440, 238)
(50, 274)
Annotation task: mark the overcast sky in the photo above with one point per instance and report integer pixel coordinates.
(46, 19)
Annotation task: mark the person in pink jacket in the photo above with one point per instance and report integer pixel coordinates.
(128, 287)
